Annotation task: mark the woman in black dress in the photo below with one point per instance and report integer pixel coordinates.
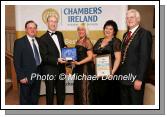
(83, 66)
(107, 91)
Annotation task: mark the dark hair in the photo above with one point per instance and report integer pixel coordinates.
(113, 24)
(30, 21)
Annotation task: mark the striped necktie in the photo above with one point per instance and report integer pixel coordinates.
(128, 37)
(36, 53)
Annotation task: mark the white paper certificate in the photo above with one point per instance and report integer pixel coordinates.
(103, 65)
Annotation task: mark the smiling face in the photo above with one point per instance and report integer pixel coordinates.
(109, 31)
(31, 29)
(81, 32)
(52, 23)
(132, 19)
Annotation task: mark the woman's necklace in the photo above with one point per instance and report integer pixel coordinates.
(105, 42)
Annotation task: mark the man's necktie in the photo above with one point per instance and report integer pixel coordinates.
(128, 37)
(37, 59)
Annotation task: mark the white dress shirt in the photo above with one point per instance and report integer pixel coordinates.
(133, 30)
(56, 41)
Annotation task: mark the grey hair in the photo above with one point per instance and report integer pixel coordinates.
(136, 12)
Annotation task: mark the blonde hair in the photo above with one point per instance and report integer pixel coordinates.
(83, 25)
(137, 14)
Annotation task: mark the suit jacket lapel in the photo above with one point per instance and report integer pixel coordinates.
(51, 41)
(59, 39)
(136, 37)
(29, 48)
(37, 39)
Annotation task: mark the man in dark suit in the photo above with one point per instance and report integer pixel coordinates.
(27, 62)
(50, 47)
(136, 52)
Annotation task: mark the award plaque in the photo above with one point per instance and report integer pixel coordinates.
(103, 65)
(69, 54)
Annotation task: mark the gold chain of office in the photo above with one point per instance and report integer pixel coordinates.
(127, 46)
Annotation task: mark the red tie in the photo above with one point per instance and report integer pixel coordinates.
(128, 37)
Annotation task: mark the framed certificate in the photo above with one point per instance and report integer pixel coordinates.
(103, 65)
(69, 54)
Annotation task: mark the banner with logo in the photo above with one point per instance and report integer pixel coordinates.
(70, 16)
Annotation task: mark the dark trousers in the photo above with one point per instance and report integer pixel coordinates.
(105, 92)
(114, 92)
(59, 85)
(29, 93)
(100, 92)
(130, 96)
(78, 95)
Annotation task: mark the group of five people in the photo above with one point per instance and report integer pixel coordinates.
(43, 56)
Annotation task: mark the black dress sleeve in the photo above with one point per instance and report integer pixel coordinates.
(117, 45)
(89, 44)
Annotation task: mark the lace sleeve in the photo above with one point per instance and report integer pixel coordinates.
(89, 44)
(117, 45)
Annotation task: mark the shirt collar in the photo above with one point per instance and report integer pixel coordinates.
(51, 31)
(133, 29)
(30, 38)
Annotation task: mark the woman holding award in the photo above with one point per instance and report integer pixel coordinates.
(83, 67)
(107, 91)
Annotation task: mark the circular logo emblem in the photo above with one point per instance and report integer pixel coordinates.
(49, 12)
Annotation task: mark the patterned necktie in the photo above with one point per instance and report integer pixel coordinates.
(128, 37)
(37, 59)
